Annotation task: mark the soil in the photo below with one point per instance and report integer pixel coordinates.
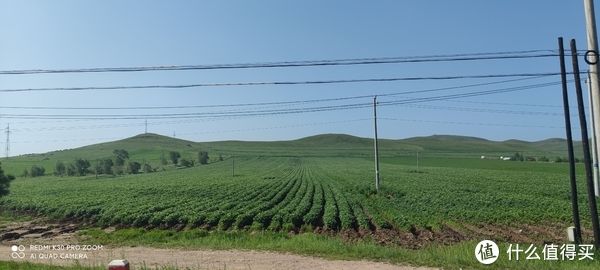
(59, 236)
(40, 232)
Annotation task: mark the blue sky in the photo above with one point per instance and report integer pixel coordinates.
(86, 34)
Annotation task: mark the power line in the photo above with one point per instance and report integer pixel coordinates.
(269, 112)
(318, 124)
(306, 63)
(483, 110)
(183, 86)
(470, 94)
(469, 123)
(271, 103)
(221, 131)
(267, 103)
(506, 103)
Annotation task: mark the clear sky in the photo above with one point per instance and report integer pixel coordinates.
(87, 34)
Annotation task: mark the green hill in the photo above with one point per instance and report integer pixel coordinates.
(150, 147)
(464, 144)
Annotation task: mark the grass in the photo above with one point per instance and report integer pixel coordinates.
(8, 217)
(449, 257)
(33, 266)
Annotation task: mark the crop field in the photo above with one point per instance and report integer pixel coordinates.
(289, 193)
(312, 196)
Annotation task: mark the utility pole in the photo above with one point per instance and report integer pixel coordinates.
(417, 161)
(376, 145)
(594, 142)
(7, 140)
(146, 126)
(572, 175)
(586, 147)
(592, 44)
(233, 166)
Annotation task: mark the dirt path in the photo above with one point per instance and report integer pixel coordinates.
(194, 259)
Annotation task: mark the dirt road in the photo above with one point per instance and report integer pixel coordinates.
(192, 259)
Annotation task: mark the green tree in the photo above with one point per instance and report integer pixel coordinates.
(120, 156)
(4, 182)
(71, 170)
(147, 168)
(60, 169)
(517, 157)
(36, 171)
(203, 157)
(98, 168)
(163, 159)
(133, 167)
(174, 156)
(106, 166)
(82, 166)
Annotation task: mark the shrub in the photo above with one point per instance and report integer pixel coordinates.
(174, 157)
(60, 169)
(147, 168)
(133, 167)
(203, 157)
(36, 171)
(186, 163)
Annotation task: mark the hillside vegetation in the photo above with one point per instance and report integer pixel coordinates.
(149, 148)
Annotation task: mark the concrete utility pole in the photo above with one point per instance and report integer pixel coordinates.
(146, 126)
(7, 140)
(593, 149)
(376, 145)
(592, 43)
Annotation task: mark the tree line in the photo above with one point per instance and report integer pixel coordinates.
(119, 164)
(5, 181)
(520, 157)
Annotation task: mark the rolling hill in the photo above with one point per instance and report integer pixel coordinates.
(150, 147)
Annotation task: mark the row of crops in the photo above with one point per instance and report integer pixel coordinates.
(284, 193)
(270, 194)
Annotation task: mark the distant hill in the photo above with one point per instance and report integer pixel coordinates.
(150, 147)
(462, 144)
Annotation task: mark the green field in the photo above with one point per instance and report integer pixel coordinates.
(289, 192)
(321, 185)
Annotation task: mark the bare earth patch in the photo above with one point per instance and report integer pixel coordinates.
(31, 233)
